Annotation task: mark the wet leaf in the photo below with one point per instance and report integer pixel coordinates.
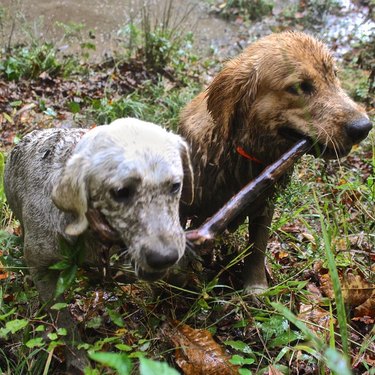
(59, 306)
(366, 311)
(74, 107)
(240, 360)
(272, 370)
(239, 345)
(356, 289)
(15, 325)
(65, 279)
(37, 342)
(197, 353)
(149, 367)
(319, 318)
(119, 362)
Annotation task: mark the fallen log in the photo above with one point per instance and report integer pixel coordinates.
(217, 223)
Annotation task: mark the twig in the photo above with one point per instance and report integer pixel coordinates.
(238, 203)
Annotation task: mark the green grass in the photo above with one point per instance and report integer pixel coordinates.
(323, 225)
(152, 102)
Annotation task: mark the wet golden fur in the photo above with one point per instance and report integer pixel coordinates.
(282, 87)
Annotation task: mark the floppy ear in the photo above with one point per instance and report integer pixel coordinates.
(70, 194)
(187, 195)
(237, 82)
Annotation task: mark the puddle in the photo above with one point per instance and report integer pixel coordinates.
(354, 25)
(106, 19)
(340, 29)
(211, 34)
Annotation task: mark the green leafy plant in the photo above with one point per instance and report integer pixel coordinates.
(152, 102)
(123, 365)
(330, 356)
(29, 62)
(68, 267)
(161, 43)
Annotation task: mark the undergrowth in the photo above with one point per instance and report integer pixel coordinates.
(322, 238)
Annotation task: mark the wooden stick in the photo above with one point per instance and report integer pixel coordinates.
(248, 194)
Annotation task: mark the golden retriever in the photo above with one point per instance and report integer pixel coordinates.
(279, 89)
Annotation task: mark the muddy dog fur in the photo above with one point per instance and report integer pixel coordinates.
(279, 89)
(131, 173)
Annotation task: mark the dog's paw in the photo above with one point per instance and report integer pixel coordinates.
(255, 289)
(252, 293)
(76, 361)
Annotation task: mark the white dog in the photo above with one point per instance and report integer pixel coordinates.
(118, 183)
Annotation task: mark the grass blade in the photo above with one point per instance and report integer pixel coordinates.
(340, 306)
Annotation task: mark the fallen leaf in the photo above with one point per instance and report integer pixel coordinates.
(319, 318)
(356, 289)
(315, 294)
(282, 254)
(326, 285)
(197, 353)
(357, 293)
(309, 237)
(273, 371)
(3, 273)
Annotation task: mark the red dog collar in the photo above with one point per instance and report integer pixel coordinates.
(243, 153)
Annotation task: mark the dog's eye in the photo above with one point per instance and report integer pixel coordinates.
(122, 194)
(304, 87)
(175, 188)
(307, 87)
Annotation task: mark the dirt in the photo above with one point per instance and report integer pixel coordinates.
(104, 20)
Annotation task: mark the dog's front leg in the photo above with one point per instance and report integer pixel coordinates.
(254, 273)
(45, 281)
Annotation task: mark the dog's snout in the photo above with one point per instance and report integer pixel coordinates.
(358, 130)
(161, 261)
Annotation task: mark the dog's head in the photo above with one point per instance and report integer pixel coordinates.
(284, 87)
(134, 173)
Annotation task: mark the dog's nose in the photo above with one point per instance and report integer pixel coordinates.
(159, 261)
(358, 130)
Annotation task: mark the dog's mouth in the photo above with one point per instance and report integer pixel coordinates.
(292, 134)
(101, 227)
(149, 276)
(318, 149)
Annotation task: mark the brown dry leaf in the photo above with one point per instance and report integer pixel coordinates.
(133, 291)
(291, 228)
(3, 273)
(357, 292)
(309, 238)
(366, 311)
(273, 371)
(282, 254)
(315, 295)
(197, 353)
(319, 318)
(356, 289)
(326, 285)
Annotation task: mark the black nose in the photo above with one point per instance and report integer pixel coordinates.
(358, 130)
(160, 261)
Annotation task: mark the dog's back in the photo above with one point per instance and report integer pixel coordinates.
(32, 169)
